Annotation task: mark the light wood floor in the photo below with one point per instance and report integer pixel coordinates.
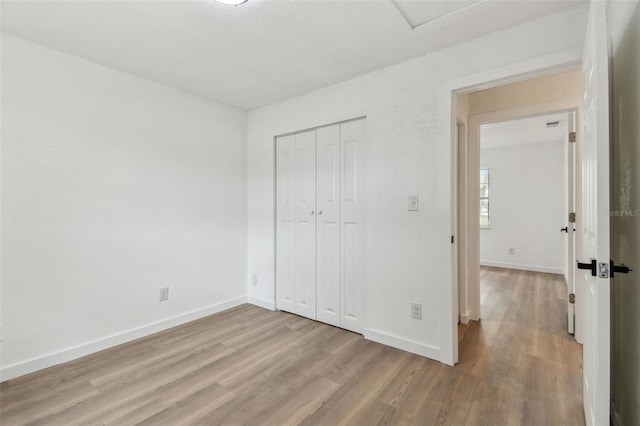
(252, 366)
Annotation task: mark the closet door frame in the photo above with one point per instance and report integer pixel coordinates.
(352, 319)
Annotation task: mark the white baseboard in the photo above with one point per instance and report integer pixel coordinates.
(263, 303)
(29, 366)
(464, 318)
(403, 343)
(533, 268)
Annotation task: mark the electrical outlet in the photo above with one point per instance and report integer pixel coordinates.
(164, 294)
(512, 251)
(416, 311)
(413, 203)
(254, 279)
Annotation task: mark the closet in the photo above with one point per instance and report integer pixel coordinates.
(320, 235)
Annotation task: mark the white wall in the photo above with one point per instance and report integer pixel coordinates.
(527, 207)
(561, 87)
(401, 106)
(112, 187)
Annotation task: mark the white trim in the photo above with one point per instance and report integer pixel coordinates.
(35, 364)
(533, 268)
(405, 344)
(464, 318)
(544, 65)
(263, 303)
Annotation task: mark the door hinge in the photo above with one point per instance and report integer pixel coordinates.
(572, 217)
(572, 137)
(572, 298)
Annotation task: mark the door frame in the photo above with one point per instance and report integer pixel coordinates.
(473, 168)
(363, 287)
(446, 216)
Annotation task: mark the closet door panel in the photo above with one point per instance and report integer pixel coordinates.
(352, 222)
(305, 224)
(285, 223)
(328, 225)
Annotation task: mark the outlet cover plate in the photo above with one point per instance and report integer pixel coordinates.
(413, 203)
(416, 311)
(164, 294)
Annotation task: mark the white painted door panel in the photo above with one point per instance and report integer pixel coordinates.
(328, 222)
(296, 224)
(595, 208)
(285, 223)
(305, 229)
(320, 217)
(352, 139)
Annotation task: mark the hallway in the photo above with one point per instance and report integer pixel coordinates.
(530, 367)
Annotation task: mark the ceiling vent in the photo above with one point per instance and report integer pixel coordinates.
(553, 124)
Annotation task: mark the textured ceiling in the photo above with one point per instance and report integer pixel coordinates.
(264, 51)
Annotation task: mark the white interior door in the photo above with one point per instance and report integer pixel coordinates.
(352, 140)
(328, 222)
(305, 262)
(571, 258)
(296, 223)
(285, 223)
(595, 207)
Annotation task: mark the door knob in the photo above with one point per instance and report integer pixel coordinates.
(312, 212)
(319, 211)
(621, 269)
(565, 229)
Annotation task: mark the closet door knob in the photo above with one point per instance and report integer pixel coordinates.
(319, 211)
(312, 212)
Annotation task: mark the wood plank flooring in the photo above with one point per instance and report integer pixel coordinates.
(256, 367)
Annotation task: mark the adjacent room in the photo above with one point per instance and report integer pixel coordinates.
(249, 212)
(524, 207)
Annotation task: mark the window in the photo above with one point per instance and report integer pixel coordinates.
(484, 198)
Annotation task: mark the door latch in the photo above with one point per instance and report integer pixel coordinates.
(603, 270)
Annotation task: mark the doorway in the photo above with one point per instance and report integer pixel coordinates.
(532, 100)
(525, 195)
(545, 234)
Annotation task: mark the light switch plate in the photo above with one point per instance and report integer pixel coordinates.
(413, 203)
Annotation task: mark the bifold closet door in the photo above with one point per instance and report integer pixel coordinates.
(328, 224)
(296, 223)
(352, 224)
